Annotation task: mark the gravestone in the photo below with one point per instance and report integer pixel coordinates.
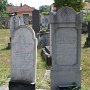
(23, 59)
(35, 21)
(87, 43)
(43, 38)
(14, 23)
(65, 30)
(45, 20)
(21, 21)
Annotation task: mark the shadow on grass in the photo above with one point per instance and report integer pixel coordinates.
(86, 46)
(7, 48)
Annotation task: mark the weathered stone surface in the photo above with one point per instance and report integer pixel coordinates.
(65, 44)
(23, 59)
(14, 23)
(45, 20)
(43, 39)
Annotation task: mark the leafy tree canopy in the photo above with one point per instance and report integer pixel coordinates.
(3, 5)
(77, 5)
(44, 8)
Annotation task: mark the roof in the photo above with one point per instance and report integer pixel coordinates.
(24, 8)
(87, 5)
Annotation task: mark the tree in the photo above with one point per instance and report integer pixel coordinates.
(3, 5)
(44, 8)
(77, 5)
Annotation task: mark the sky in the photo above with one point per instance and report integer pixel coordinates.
(31, 3)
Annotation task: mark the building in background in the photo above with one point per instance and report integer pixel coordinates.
(22, 10)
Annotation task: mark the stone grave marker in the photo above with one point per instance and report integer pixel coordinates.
(23, 59)
(43, 39)
(65, 29)
(87, 43)
(36, 21)
(14, 23)
(21, 21)
(45, 20)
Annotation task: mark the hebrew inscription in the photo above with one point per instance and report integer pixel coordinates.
(22, 54)
(66, 46)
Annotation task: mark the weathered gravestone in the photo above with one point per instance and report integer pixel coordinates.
(23, 59)
(65, 29)
(87, 43)
(36, 21)
(43, 39)
(21, 21)
(15, 21)
(45, 20)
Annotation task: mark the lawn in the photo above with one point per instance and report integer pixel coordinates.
(41, 65)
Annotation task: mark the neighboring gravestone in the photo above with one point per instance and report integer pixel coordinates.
(43, 39)
(23, 59)
(45, 20)
(87, 43)
(65, 29)
(36, 21)
(14, 23)
(21, 21)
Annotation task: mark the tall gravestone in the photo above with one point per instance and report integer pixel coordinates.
(65, 30)
(36, 21)
(23, 59)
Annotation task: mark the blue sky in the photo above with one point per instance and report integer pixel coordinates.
(31, 3)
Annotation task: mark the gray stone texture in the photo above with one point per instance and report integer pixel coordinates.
(23, 56)
(43, 38)
(14, 23)
(45, 20)
(65, 44)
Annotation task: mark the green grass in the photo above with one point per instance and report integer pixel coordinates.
(41, 65)
(85, 64)
(4, 56)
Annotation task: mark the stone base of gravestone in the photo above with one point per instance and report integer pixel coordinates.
(21, 85)
(65, 78)
(46, 55)
(68, 88)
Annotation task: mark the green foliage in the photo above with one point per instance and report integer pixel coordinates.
(86, 16)
(77, 5)
(3, 5)
(44, 8)
(45, 13)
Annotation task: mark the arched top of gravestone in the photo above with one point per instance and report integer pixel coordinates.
(64, 15)
(14, 23)
(23, 27)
